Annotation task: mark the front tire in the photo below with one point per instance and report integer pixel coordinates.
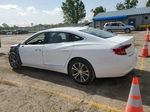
(14, 61)
(81, 71)
(127, 30)
(109, 30)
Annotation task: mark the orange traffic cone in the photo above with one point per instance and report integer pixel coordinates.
(134, 103)
(144, 52)
(147, 36)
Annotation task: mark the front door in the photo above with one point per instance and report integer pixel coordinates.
(31, 52)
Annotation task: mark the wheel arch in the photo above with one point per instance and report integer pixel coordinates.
(74, 58)
(16, 51)
(127, 29)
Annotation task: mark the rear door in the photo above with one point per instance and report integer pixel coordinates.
(57, 50)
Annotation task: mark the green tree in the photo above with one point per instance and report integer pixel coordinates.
(74, 11)
(15, 27)
(127, 4)
(5, 25)
(120, 6)
(148, 3)
(1, 27)
(99, 9)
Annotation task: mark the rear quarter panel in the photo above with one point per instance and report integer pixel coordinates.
(98, 54)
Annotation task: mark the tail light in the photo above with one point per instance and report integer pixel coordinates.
(121, 50)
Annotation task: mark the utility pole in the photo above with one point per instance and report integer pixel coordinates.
(0, 42)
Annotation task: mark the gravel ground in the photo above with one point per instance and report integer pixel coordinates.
(109, 91)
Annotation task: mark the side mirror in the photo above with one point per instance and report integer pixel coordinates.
(39, 41)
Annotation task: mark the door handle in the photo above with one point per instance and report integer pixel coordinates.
(38, 50)
(65, 50)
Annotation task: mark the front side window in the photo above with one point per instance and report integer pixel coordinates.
(107, 25)
(99, 33)
(37, 39)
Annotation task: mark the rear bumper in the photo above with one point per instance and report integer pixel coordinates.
(119, 66)
(132, 29)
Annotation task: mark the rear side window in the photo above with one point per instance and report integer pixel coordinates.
(75, 38)
(62, 37)
(59, 37)
(114, 24)
(99, 33)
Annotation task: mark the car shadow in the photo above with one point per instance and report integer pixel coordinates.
(115, 88)
(2, 54)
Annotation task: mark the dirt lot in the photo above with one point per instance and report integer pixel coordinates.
(35, 90)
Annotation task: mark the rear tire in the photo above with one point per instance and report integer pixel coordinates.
(109, 30)
(127, 30)
(81, 71)
(14, 61)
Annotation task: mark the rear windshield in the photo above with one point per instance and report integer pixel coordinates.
(99, 33)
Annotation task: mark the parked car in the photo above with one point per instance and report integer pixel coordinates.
(9, 32)
(3, 32)
(118, 26)
(20, 32)
(6, 32)
(82, 52)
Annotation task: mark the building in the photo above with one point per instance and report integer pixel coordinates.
(138, 17)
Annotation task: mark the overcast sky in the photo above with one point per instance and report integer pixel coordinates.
(25, 12)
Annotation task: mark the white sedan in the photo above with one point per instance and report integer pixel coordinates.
(82, 52)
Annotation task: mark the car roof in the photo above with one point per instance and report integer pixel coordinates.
(74, 30)
(113, 22)
(67, 29)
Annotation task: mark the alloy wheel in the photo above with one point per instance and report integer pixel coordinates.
(13, 61)
(80, 72)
